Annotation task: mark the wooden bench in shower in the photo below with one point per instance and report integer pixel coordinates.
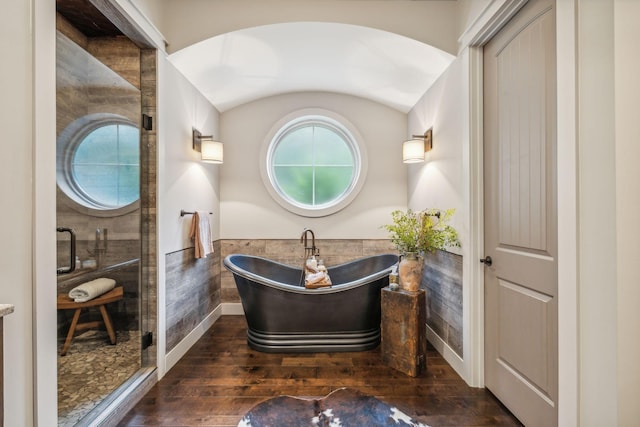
(66, 303)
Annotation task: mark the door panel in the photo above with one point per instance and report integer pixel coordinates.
(517, 304)
(520, 215)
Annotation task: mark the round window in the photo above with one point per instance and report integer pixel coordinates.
(313, 165)
(99, 163)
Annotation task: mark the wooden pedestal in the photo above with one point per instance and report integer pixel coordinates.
(403, 329)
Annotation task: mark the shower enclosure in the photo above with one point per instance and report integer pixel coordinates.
(101, 232)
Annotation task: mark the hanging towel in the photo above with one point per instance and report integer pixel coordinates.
(201, 234)
(92, 289)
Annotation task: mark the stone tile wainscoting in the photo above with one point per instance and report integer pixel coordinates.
(196, 287)
(442, 279)
(291, 252)
(192, 291)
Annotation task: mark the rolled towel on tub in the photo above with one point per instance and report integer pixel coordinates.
(90, 290)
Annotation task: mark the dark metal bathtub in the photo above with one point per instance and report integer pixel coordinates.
(283, 316)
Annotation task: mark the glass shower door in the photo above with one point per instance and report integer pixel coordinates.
(99, 238)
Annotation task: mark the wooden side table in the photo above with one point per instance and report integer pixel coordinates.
(404, 330)
(66, 303)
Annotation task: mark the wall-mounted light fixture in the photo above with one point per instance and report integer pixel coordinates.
(413, 149)
(211, 151)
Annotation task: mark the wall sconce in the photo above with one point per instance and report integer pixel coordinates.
(211, 151)
(413, 149)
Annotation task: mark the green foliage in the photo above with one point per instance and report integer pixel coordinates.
(422, 231)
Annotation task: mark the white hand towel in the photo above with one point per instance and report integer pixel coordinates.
(201, 234)
(92, 289)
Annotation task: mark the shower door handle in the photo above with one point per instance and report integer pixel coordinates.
(72, 250)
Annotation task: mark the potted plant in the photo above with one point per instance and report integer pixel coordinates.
(416, 232)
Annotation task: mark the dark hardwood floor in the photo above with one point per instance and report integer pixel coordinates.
(220, 379)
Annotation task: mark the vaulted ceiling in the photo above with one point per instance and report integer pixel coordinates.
(245, 65)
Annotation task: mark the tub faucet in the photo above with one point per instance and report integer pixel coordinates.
(309, 251)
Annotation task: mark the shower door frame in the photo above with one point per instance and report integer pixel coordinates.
(127, 394)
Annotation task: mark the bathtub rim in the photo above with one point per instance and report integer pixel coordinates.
(301, 289)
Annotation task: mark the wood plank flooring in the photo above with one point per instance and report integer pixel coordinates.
(220, 379)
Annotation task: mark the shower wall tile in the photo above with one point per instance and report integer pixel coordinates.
(74, 100)
(442, 279)
(66, 28)
(120, 54)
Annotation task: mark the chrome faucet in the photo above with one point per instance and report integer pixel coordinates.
(100, 246)
(309, 251)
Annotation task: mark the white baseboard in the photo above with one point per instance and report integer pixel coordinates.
(447, 353)
(181, 349)
(232, 309)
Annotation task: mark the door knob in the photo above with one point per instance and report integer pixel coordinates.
(486, 261)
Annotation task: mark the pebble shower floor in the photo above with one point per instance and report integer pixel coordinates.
(92, 369)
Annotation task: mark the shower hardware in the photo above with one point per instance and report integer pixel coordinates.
(147, 122)
(100, 246)
(147, 340)
(72, 250)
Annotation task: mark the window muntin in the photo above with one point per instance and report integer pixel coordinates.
(106, 166)
(314, 166)
(98, 164)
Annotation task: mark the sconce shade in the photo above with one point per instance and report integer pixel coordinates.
(212, 151)
(413, 151)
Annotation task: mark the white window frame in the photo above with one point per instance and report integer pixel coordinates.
(340, 125)
(67, 142)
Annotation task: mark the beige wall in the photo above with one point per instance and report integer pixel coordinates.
(627, 129)
(608, 64)
(248, 212)
(442, 182)
(16, 122)
(597, 233)
(468, 11)
(184, 182)
(439, 182)
(185, 22)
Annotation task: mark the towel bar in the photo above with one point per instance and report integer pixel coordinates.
(183, 213)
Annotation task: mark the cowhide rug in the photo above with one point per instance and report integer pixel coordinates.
(342, 408)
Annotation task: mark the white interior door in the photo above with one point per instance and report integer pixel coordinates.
(521, 310)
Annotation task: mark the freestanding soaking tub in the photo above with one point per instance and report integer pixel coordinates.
(283, 316)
